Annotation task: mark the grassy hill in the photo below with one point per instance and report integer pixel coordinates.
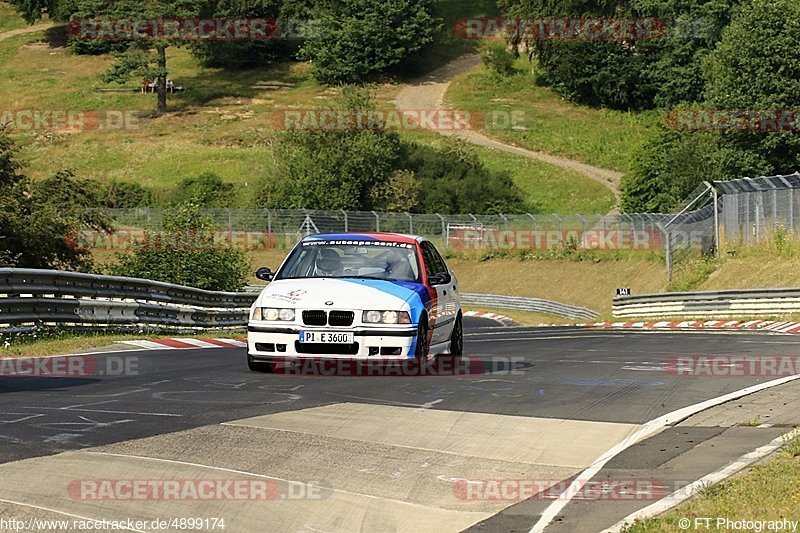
(222, 123)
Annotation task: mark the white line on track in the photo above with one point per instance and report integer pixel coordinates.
(646, 430)
(684, 493)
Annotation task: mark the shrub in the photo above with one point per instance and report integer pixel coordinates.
(206, 190)
(185, 253)
(356, 40)
(497, 57)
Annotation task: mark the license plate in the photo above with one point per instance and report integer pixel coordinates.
(326, 337)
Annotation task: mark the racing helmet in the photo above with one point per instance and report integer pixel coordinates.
(328, 262)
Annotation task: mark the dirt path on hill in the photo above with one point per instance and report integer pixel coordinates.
(428, 93)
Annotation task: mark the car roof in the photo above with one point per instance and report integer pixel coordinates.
(361, 236)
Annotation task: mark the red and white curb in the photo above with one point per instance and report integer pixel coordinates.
(760, 325)
(504, 320)
(186, 343)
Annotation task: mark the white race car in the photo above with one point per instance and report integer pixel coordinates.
(362, 296)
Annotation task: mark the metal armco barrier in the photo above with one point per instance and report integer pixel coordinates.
(70, 299)
(52, 297)
(527, 304)
(709, 304)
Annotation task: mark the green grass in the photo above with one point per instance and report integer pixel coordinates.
(769, 491)
(546, 188)
(9, 19)
(599, 137)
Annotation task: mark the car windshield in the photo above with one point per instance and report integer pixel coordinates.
(352, 259)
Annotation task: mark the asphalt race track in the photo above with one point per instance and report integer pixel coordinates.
(353, 453)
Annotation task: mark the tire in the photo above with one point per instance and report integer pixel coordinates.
(259, 366)
(457, 339)
(422, 349)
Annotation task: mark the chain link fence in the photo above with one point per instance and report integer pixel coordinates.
(745, 211)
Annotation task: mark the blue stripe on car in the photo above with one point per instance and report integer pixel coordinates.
(415, 293)
(341, 237)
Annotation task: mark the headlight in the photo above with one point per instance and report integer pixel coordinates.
(386, 317)
(272, 314)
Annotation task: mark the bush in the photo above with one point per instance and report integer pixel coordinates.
(453, 180)
(497, 57)
(185, 253)
(38, 220)
(332, 169)
(206, 190)
(356, 40)
(667, 168)
(123, 194)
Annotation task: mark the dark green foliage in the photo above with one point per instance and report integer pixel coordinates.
(660, 71)
(124, 194)
(668, 168)
(39, 221)
(496, 56)
(185, 253)
(757, 67)
(206, 190)
(356, 40)
(332, 169)
(453, 180)
(33, 10)
(242, 54)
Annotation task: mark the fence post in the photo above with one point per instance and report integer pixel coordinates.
(716, 220)
(377, 222)
(410, 223)
(346, 225)
(669, 258)
(444, 229)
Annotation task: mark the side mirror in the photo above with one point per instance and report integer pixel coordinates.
(265, 274)
(442, 278)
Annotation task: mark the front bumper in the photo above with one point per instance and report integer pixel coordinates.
(278, 342)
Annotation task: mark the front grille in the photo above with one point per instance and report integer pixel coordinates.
(326, 349)
(315, 318)
(341, 318)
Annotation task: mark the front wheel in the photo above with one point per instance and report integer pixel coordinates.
(422, 349)
(259, 366)
(457, 339)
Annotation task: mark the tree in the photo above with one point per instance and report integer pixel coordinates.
(33, 10)
(756, 67)
(667, 168)
(332, 169)
(245, 53)
(353, 41)
(185, 253)
(144, 57)
(40, 220)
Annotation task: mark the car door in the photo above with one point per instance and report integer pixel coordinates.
(437, 320)
(448, 308)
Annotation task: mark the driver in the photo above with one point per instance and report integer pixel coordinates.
(328, 262)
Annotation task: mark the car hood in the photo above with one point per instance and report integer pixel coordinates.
(344, 293)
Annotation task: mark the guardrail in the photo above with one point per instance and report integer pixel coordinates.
(528, 304)
(69, 299)
(709, 304)
(50, 297)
